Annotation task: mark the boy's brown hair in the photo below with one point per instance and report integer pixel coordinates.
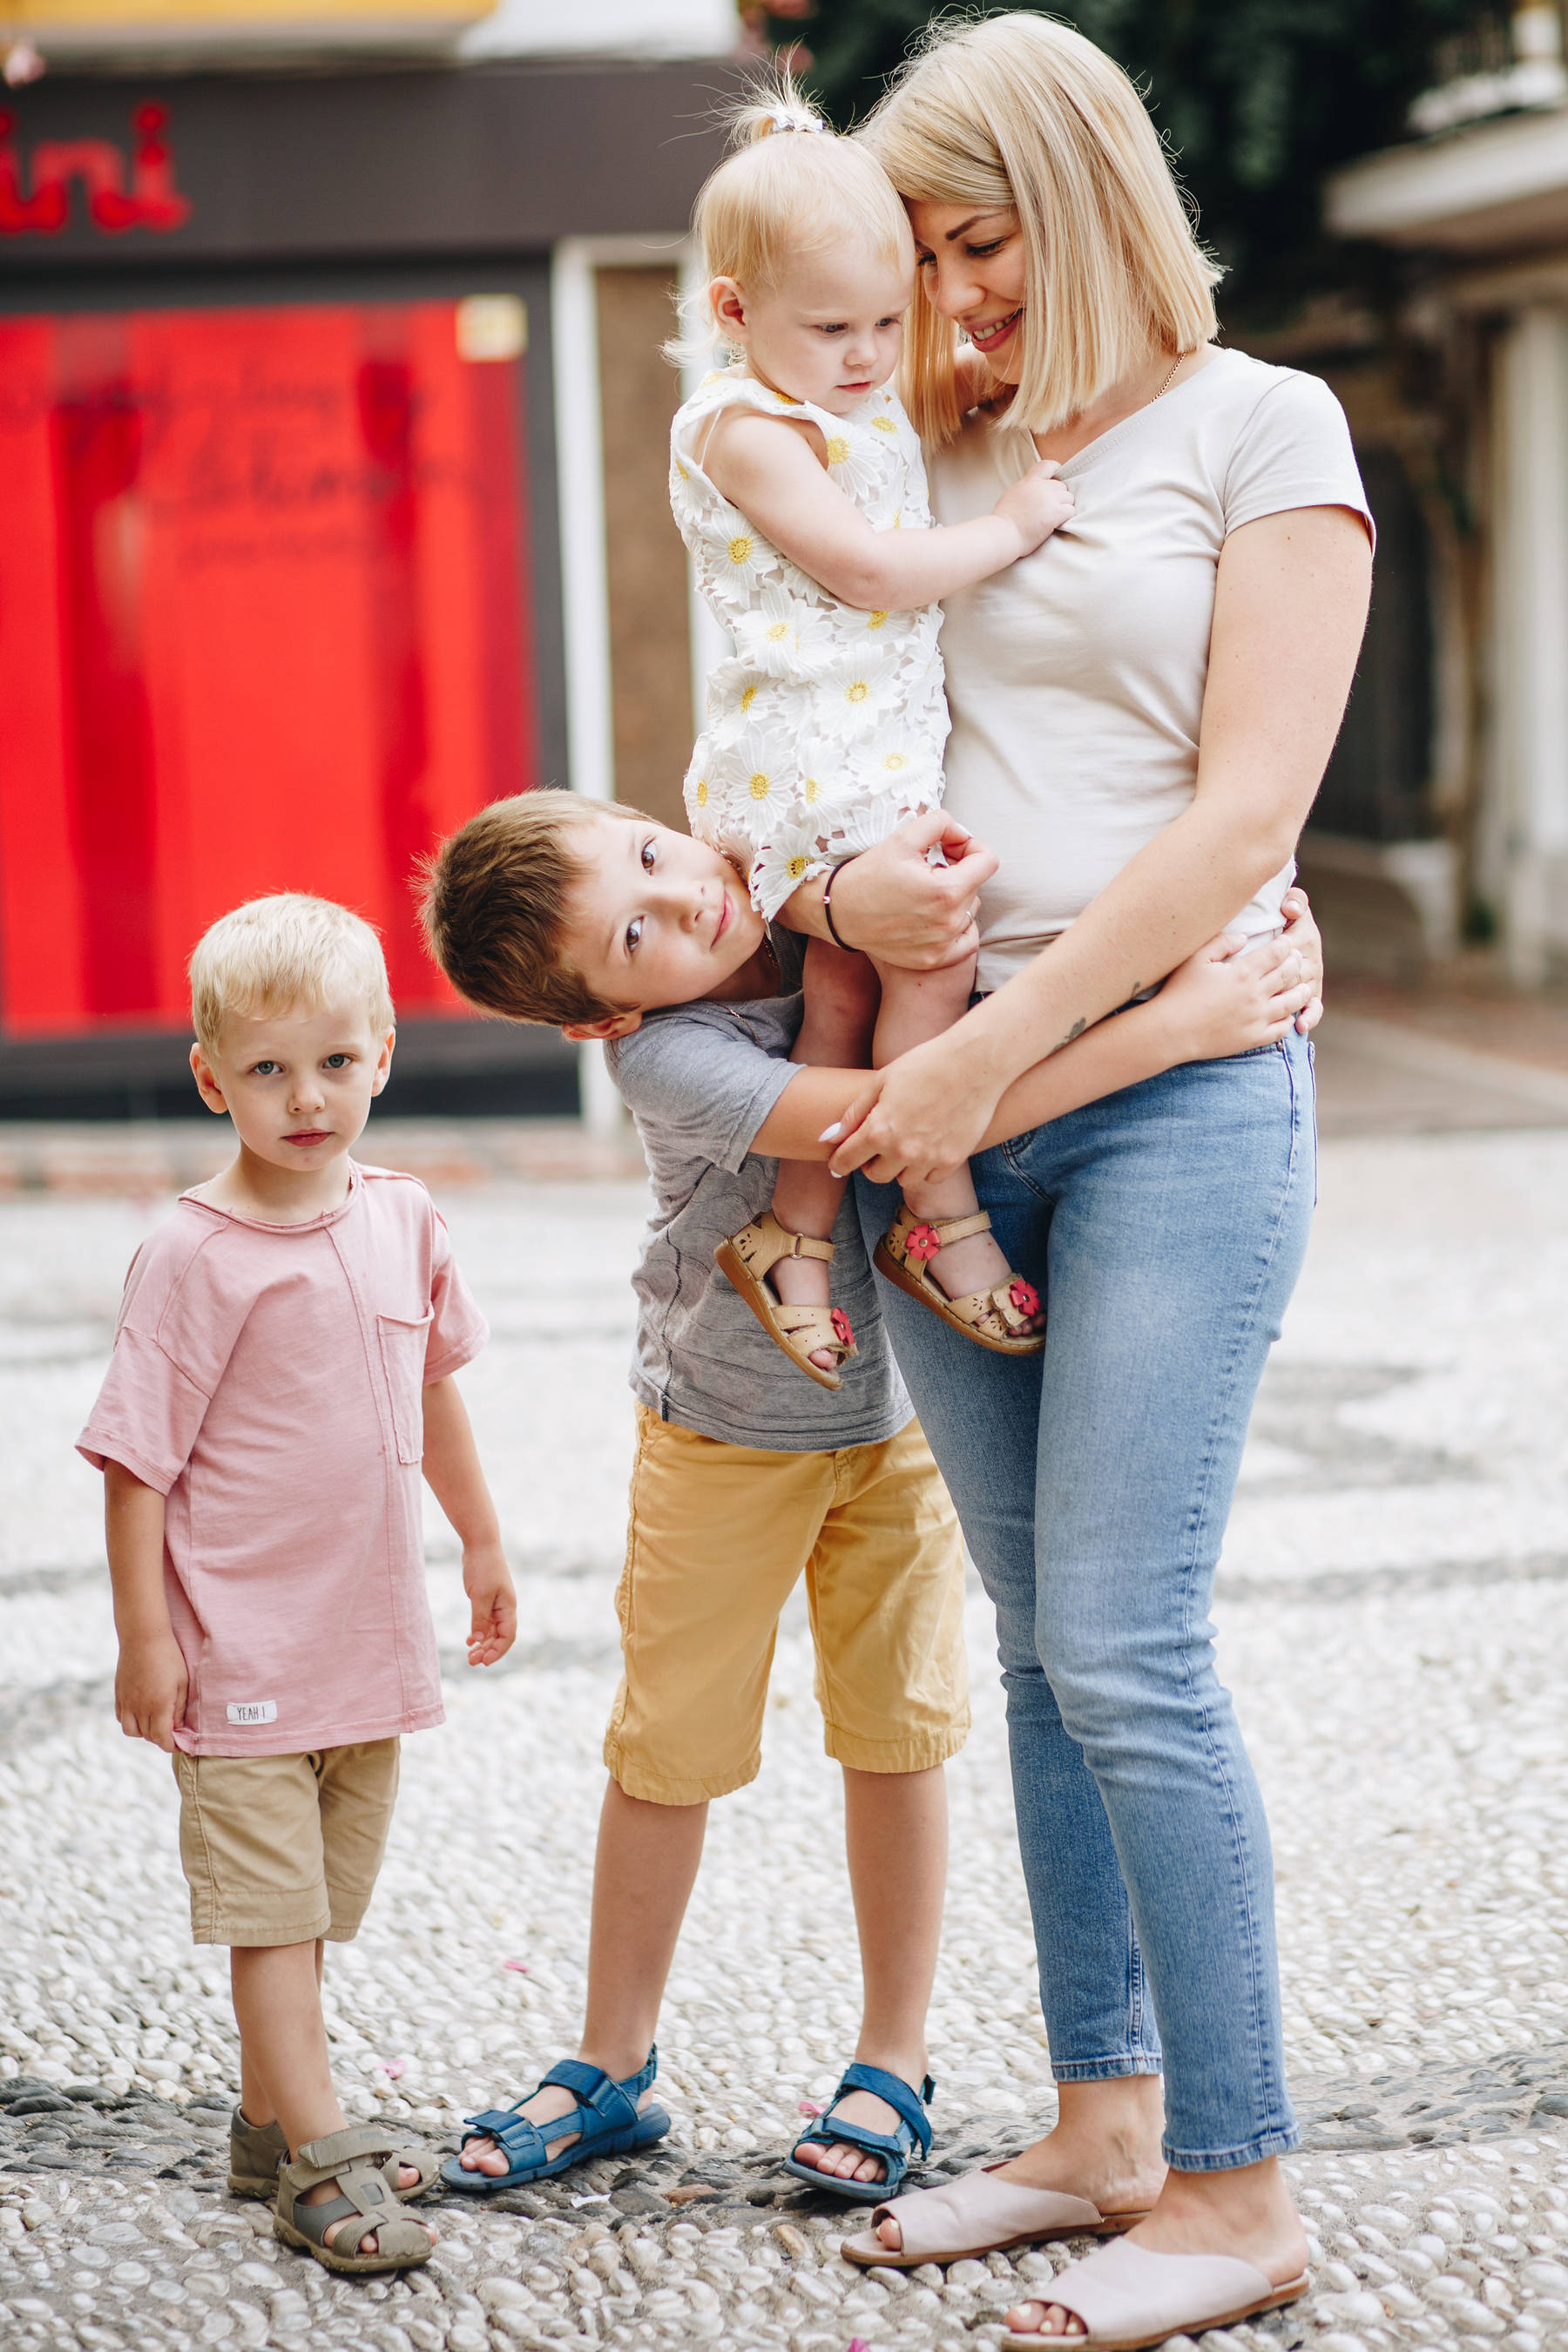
(494, 906)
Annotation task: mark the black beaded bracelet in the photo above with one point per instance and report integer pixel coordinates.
(827, 907)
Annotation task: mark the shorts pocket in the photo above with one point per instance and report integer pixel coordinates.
(403, 1340)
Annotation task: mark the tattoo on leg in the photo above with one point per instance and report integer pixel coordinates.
(1076, 1030)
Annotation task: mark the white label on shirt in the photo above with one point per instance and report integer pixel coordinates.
(253, 1710)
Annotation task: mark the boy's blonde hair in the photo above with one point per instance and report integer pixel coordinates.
(1019, 110)
(286, 949)
(791, 187)
(495, 911)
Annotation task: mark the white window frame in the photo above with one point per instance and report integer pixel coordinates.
(585, 573)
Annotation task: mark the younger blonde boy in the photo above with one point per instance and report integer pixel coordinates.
(282, 1367)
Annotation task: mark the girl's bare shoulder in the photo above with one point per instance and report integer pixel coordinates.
(750, 439)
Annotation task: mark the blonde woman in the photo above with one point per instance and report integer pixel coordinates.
(1142, 713)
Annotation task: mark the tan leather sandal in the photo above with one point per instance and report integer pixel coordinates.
(355, 2158)
(257, 2151)
(993, 1318)
(748, 1257)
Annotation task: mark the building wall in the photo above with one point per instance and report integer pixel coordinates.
(356, 204)
(646, 581)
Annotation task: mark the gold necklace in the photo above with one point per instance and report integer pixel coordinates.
(1164, 388)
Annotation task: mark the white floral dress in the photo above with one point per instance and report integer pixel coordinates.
(826, 729)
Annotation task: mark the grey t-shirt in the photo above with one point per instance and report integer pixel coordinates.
(699, 1080)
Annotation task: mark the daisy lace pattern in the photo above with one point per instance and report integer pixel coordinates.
(825, 730)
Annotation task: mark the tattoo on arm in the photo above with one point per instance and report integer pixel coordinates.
(1077, 1030)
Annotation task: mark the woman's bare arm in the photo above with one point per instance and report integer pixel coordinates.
(1220, 1002)
(1290, 609)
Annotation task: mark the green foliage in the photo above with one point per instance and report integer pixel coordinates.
(1256, 99)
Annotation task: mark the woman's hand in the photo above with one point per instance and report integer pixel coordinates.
(921, 1117)
(890, 903)
(1301, 933)
(1229, 998)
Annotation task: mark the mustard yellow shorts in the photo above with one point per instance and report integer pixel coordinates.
(283, 1849)
(719, 1535)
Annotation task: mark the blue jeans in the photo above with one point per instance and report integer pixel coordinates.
(1165, 1227)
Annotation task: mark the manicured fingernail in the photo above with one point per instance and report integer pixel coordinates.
(831, 1134)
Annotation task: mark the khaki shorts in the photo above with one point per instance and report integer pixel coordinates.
(719, 1536)
(283, 1849)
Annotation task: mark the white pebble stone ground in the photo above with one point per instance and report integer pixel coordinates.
(1394, 1616)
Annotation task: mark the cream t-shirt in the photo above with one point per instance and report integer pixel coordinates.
(1076, 678)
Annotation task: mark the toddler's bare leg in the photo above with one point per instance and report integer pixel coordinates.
(834, 1034)
(917, 1005)
(284, 2065)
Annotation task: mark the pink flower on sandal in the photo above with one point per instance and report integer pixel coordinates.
(923, 1242)
(1024, 1296)
(843, 1331)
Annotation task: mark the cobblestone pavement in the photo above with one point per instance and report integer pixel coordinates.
(1394, 1615)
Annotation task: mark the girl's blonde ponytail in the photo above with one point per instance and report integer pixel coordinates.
(771, 101)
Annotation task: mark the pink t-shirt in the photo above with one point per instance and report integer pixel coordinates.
(267, 1380)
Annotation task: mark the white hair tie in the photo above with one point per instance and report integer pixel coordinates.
(779, 121)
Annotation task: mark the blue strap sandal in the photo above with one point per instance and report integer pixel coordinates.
(606, 2117)
(896, 2147)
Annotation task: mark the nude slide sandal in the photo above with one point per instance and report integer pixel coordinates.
(977, 2215)
(1128, 2297)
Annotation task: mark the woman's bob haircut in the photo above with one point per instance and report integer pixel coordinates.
(1016, 111)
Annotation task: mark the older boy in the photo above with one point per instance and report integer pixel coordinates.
(283, 1359)
(596, 918)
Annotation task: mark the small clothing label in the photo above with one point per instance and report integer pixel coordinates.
(253, 1710)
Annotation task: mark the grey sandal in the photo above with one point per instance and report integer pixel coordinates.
(355, 2158)
(257, 2152)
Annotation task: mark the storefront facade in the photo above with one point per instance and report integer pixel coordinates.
(332, 426)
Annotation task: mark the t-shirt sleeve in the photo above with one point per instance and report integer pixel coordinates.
(458, 1330)
(703, 1083)
(1294, 450)
(177, 1327)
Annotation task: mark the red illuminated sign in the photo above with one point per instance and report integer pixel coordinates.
(265, 627)
(152, 201)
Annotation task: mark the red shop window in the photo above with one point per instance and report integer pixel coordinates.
(263, 626)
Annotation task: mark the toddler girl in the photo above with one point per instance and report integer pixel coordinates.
(797, 483)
